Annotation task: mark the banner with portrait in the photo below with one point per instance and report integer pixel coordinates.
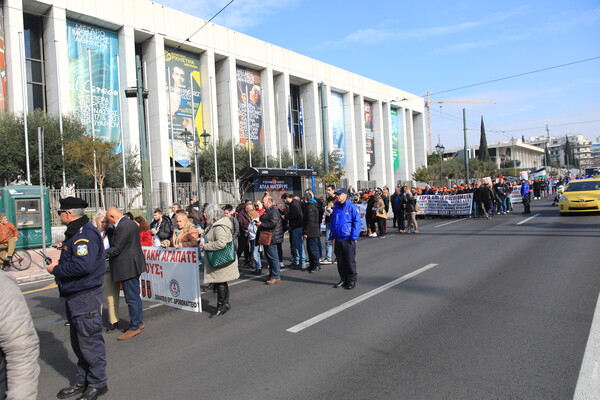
(249, 94)
(336, 116)
(3, 98)
(369, 134)
(172, 278)
(104, 46)
(275, 186)
(450, 204)
(184, 102)
(395, 145)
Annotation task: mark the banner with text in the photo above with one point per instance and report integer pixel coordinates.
(249, 108)
(173, 277)
(102, 58)
(336, 115)
(515, 194)
(369, 134)
(450, 204)
(395, 144)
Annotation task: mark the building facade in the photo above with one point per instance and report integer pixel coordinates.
(527, 155)
(214, 79)
(582, 149)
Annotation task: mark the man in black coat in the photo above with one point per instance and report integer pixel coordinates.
(127, 263)
(312, 232)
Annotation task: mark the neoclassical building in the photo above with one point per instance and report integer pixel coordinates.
(59, 54)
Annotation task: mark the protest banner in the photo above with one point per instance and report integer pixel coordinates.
(515, 195)
(362, 210)
(449, 204)
(173, 277)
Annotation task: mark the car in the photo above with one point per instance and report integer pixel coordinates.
(580, 196)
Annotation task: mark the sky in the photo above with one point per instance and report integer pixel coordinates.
(439, 46)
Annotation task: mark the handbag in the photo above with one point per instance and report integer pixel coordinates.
(266, 237)
(222, 257)
(381, 213)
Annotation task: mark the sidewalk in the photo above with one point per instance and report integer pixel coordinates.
(37, 270)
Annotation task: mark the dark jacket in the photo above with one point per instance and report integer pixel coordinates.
(271, 222)
(411, 202)
(82, 259)
(164, 228)
(312, 222)
(386, 202)
(125, 252)
(294, 215)
(486, 194)
(243, 220)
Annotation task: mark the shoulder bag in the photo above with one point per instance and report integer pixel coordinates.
(265, 238)
(222, 257)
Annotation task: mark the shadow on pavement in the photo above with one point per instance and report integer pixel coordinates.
(55, 354)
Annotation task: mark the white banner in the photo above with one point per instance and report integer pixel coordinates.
(362, 210)
(515, 195)
(173, 277)
(448, 204)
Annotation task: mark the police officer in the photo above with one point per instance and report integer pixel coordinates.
(79, 275)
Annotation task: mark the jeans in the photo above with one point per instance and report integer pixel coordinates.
(314, 253)
(328, 247)
(501, 206)
(254, 249)
(273, 259)
(297, 242)
(131, 289)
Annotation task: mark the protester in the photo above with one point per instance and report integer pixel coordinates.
(174, 208)
(380, 215)
(252, 241)
(411, 212)
(329, 202)
(526, 194)
(312, 233)
(218, 234)
(397, 209)
(502, 191)
(487, 198)
(19, 344)
(228, 209)
(258, 206)
(127, 263)
(111, 288)
(243, 219)
(370, 216)
(184, 235)
(345, 229)
(295, 219)
(145, 235)
(79, 276)
(270, 222)
(161, 224)
(8, 240)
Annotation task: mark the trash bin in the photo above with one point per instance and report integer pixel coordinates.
(25, 207)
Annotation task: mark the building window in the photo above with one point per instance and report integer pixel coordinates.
(34, 62)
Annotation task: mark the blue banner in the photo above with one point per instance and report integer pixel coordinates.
(336, 113)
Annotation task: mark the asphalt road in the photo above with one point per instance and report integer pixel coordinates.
(502, 310)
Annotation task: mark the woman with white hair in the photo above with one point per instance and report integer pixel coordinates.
(111, 288)
(217, 235)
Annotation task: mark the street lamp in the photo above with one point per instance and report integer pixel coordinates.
(439, 148)
(190, 142)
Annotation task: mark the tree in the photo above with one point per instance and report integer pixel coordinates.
(547, 158)
(569, 153)
(484, 154)
(114, 176)
(95, 157)
(13, 148)
(421, 174)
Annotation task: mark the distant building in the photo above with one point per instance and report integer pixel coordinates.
(529, 156)
(556, 146)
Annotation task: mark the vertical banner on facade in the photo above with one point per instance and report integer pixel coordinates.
(369, 134)
(336, 115)
(172, 277)
(182, 96)
(395, 146)
(104, 47)
(249, 109)
(2, 64)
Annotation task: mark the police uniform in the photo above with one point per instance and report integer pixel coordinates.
(79, 276)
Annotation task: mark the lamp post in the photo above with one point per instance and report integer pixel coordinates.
(439, 148)
(192, 143)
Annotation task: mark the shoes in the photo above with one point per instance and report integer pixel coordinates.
(350, 285)
(401, 231)
(273, 281)
(257, 272)
(340, 284)
(325, 261)
(292, 266)
(70, 391)
(382, 237)
(373, 235)
(130, 333)
(92, 393)
(112, 328)
(416, 231)
(141, 327)
(313, 269)
(221, 311)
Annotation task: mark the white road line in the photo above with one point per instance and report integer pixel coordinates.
(359, 299)
(451, 222)
(527, 219)
(588, 383)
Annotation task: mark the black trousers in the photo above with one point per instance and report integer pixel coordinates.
(345, 253)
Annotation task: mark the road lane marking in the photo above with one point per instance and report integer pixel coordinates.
(32, 282)
(50, 286)
(353, 302)
(527, 219)
(451, 222)
(588, 384)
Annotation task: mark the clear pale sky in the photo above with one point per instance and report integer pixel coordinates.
(437, 46)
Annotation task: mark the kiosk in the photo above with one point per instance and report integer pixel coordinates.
(275, 181)
(25, 208)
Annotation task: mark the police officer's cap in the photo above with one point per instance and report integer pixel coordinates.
(69, 203)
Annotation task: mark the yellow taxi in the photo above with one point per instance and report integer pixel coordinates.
(581, 195)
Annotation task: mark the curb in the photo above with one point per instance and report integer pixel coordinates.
(32, 278)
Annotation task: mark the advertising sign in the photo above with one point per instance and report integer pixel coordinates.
(369, 134)
(2, 64)
(249, 107)
(451, 204)
(395, 145)
(275, 186)
(336, 113)
(183, 95)
(104, 46)
(173, 277)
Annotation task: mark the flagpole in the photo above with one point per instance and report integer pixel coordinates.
(215, 123)
(262, 126)
(121, 128)
(195, 133)
(233, 150)
(147, 129)
(60, 122)
(291, 130)
(172, 137)
(302, 133)
(92, 124)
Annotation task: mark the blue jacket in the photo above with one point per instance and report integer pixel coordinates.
(82, 261)
(524, 188)
(345, 222)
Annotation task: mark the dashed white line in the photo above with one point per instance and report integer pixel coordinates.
(527, 219)
(451, 222)
(359, 299)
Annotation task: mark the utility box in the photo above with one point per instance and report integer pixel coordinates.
(25, 207)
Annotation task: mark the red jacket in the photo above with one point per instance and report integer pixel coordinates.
(145, 238)
(8, 231)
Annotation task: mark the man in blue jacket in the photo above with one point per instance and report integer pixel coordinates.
(526, 197)
(345, 229)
